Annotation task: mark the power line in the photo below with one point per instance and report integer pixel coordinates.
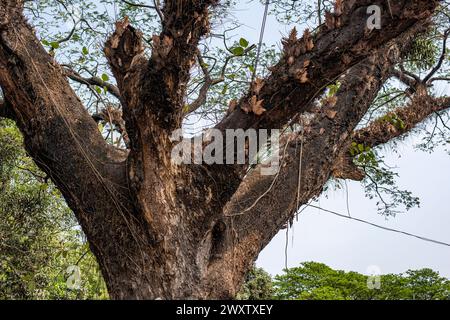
(381, 227)
(261, 38)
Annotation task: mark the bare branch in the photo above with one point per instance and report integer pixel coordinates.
(203, 92)
(405, 78)
(441, 59)
(383, 130)
(93, 81)
(439, 79)
(137, 4)
(114, 117)
(209, 82)
(410, 74)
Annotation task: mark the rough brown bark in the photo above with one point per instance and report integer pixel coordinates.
(165, 231)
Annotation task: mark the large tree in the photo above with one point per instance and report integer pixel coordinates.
(162, 230)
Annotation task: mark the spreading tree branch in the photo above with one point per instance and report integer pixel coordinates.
(312, 63)
(394, 124)
(384, 130)
(315, 61)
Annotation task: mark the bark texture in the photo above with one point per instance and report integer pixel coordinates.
(164, 231)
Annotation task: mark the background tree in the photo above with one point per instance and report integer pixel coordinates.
(316, 281)
(159, 230)
(257, 286)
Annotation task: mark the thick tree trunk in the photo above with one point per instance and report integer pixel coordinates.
(164, 231)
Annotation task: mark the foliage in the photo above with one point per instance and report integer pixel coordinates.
(423, 54)
(316, 281)
(379, 181)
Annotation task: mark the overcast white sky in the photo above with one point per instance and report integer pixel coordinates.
(349, 245)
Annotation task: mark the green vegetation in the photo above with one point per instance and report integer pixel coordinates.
(317, 281)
